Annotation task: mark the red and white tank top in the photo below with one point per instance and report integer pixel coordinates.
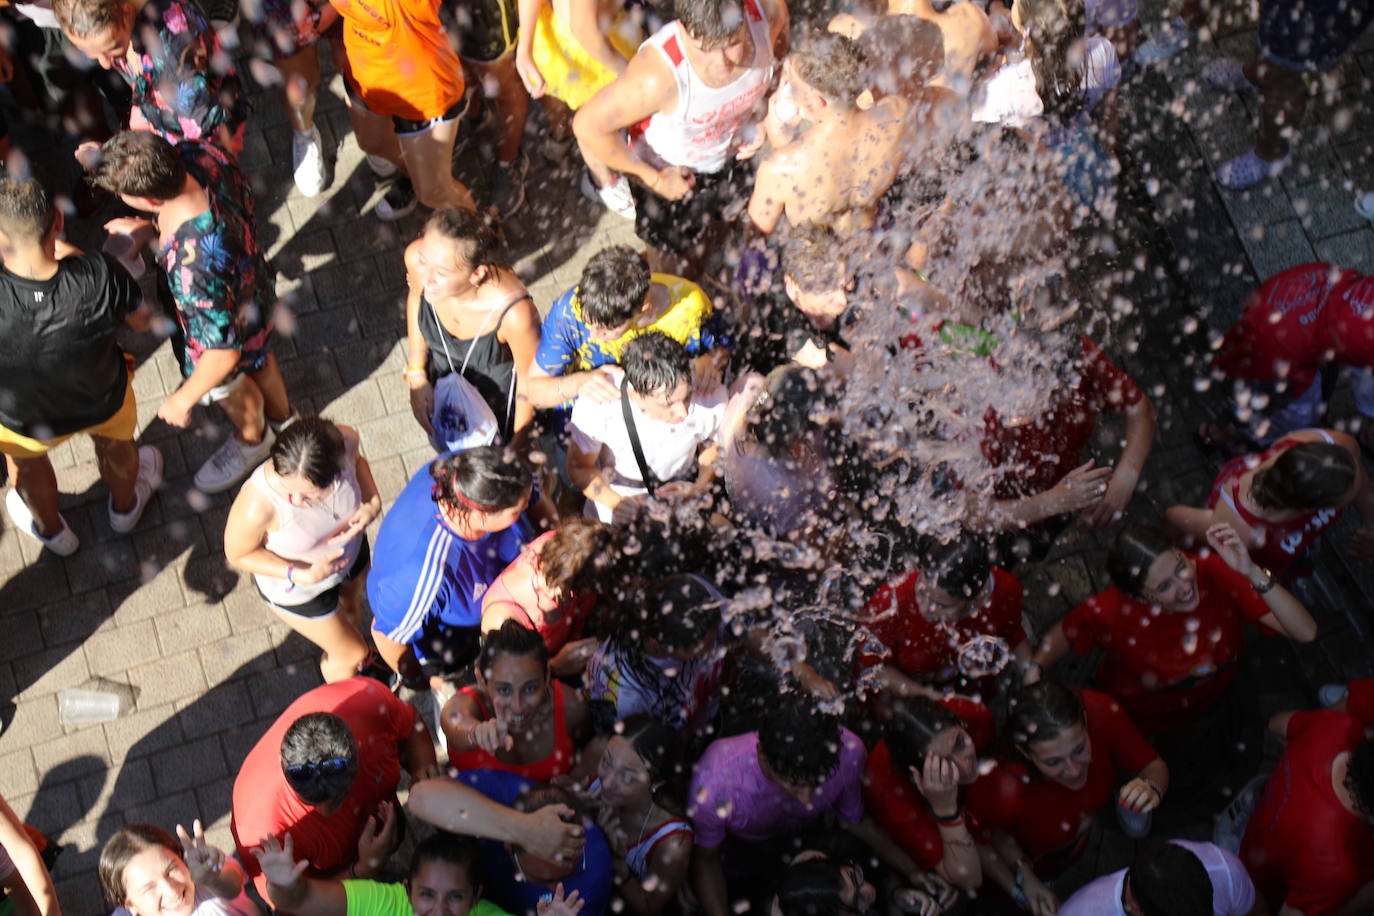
(703, 132)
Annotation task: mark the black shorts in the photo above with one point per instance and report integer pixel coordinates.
(404, 126)
(445, 651)
(326, 602)
(486, 29)
(677, 226)
(1311, 34)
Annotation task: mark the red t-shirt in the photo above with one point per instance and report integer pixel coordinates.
(264, 802)
(929, 650)
(1046, 818)
(1035, 456)
(1360, 702)
(899, 807)
(1163, 667)
(1302, 846)
(1347, 322)
(1277, 334)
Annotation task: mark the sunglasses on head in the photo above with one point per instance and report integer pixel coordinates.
(306, 772)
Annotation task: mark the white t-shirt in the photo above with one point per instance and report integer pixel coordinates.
(669, 449)
(1233, 893)
(1009, 96)
(209, 905)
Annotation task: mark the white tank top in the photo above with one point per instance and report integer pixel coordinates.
(702, 134)
(302, 530)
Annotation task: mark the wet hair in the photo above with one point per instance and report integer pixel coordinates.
(449, 849)
(814, 887)
(1133, 552)
(831, 64)
(678, 612)
(710, 23)
(483, 479)
(660, 749)
(809, 258)
(313, 738)
(478, 243)
(26, 215)
(1056, 29)
(613, 286)
(903, 53)
(781, 415)
(512, 638)
(800, 742)
(1168, 880)
(655, 362)
(121, 848)
(961, 566)
(1359, 778)
(1310, 475)
(139, 163)
(312, 448)
(580, 558)
(1041, 712)
(914, 724)
(83, 18)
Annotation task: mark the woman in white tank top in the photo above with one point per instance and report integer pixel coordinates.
(297, 526)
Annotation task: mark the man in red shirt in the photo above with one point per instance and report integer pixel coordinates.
(326, 772)
(1036, 459)
(954, 622)
(1310, 843)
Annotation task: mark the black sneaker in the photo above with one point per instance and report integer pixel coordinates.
(398, 201)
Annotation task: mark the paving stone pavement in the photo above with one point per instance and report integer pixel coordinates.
(204, 667)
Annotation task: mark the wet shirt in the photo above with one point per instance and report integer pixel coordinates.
(184, 84)
(1280, 333)
(899, 807)
(566, 344)
(216, 273)
(1164, 667)
(1347, 322)
(684, 695)
(400, 62)
(265, 804)
(1301, 845)
(936, 651)
(1233, 893)
(61, 368)
(730, 796)
(1048, 820)
(424, 575)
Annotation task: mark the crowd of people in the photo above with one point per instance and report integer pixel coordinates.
(711, 598)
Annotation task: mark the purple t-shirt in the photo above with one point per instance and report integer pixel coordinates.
(730, 795)
(1233, 894)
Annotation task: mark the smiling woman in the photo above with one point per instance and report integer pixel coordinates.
(146, 872)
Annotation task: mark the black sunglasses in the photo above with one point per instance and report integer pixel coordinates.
(307, 772)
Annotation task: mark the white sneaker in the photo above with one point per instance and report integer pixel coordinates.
(615, 196)
(307, 161)
(149, 479)
(381, 168)
(234, 461)
(64, 543)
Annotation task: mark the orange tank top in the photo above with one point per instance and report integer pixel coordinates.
(400, 62)
(556, 764)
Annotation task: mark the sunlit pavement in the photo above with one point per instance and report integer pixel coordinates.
(203, 666)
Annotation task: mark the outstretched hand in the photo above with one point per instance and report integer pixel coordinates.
(556, 904)
(202, 860)
(278, 861)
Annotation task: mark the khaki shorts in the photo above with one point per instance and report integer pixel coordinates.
(120, 427)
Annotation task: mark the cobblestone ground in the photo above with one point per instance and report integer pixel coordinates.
(202, 665)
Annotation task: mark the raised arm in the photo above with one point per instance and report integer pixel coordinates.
(457, 807)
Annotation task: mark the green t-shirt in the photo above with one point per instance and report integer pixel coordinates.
(374, 898)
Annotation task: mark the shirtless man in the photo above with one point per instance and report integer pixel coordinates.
(968, 35)
(700, 83)
(835, 172)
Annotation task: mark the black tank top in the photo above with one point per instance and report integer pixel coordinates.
(490, 364)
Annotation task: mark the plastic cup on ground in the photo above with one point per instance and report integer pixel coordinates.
(78, 707)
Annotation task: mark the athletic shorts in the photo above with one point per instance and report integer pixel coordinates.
(120, 427)
(326, 602)
(405, 127)
(677, 226)
(1311, 34)
(487, 29)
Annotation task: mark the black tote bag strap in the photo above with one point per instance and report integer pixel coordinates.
(645, 475)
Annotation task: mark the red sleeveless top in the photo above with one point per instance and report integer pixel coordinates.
(1284, 542)
(556, 764)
